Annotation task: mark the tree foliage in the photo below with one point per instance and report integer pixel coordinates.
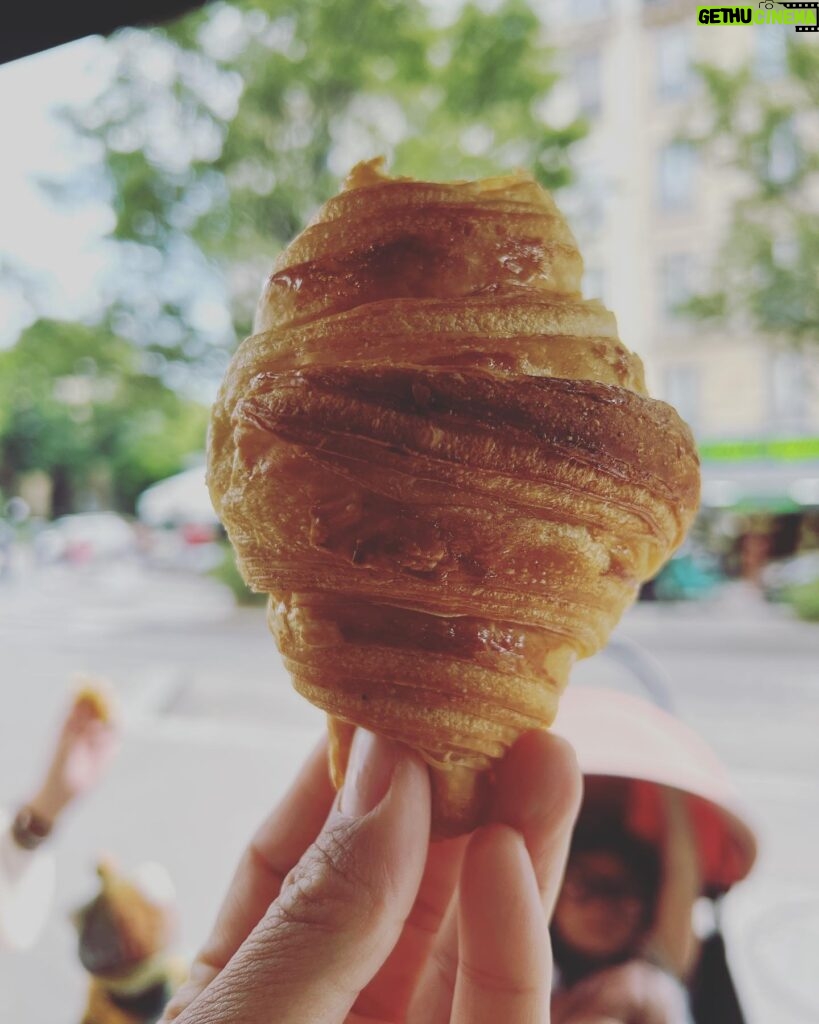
(767, 134)
(220, 135)
(82, 405)
(213, 142)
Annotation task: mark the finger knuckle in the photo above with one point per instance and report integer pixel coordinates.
(445, 964)
(499, 983)
(425, 916)
(331, 883)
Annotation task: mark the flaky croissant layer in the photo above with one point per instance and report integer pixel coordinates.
(443, 466)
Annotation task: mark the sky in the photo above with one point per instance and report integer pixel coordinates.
(59, 248)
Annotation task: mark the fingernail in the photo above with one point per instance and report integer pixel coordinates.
(369, 773)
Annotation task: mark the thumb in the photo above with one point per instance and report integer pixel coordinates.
(341, 909)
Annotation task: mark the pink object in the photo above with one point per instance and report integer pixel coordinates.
(619, 736)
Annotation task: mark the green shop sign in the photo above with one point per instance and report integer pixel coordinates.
(797, 449)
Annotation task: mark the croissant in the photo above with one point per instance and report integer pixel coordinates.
(444, 468)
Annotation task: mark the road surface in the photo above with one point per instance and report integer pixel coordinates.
(213, 732)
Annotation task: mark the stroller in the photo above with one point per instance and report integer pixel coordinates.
(631, 745)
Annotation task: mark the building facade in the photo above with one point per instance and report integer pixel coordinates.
(650, 212)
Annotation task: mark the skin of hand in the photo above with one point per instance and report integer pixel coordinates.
(84, 749)
(342, 911)
(636, 992)
(672, 942)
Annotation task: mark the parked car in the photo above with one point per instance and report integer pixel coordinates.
(86, 537)
(183, 528)
(796, 571)
(6, 548)
(689, 576)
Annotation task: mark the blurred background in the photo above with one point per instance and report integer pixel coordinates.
(148, 181)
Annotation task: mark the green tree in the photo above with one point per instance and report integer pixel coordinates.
(86, 407)
(220, 135)
(765, 133)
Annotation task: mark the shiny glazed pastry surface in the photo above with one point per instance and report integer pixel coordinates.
(443, 466)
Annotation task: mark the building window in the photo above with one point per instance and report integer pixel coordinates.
(785, 252)
(588, 82)
(593, 188)
(594, 283)
(677, 169)
(770, 51)
(783, 154)
(673, 54)
(682, 390)
(584, 202)
(676, 282)
(788, 391)
(588, 10)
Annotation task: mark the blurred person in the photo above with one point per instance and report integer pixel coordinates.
(342, 911)
(658, 829)
(614, 952)
(607, 903)
(123, 937)
(755, 551)
(83, 750)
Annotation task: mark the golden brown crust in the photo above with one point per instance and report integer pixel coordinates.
(396, 237)
(443, 466)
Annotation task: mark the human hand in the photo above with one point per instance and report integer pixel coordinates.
(341, 911)
(84, 749)
(636, 992)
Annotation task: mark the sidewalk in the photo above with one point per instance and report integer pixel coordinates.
(214, 731)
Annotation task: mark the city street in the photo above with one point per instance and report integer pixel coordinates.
(213, 733)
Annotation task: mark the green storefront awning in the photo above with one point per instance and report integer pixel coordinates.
(764, 475)
(775, 449)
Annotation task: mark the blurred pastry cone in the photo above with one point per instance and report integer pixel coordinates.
(123, 936)
(123, 927)
(94, 695)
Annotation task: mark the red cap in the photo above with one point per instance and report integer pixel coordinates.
(620, 736)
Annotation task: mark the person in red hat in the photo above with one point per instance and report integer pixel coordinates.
(342, 911)
(659, 827)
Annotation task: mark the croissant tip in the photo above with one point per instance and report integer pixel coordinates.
(370, 172)
(366, 172)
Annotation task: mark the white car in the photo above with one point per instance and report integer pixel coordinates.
(790, 572)
(86, 537)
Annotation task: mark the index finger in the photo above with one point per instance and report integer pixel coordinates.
(273, 852)
(504, 961)
(388, 994)
(537, 792)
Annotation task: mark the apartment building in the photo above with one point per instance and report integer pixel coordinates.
(650, 213)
